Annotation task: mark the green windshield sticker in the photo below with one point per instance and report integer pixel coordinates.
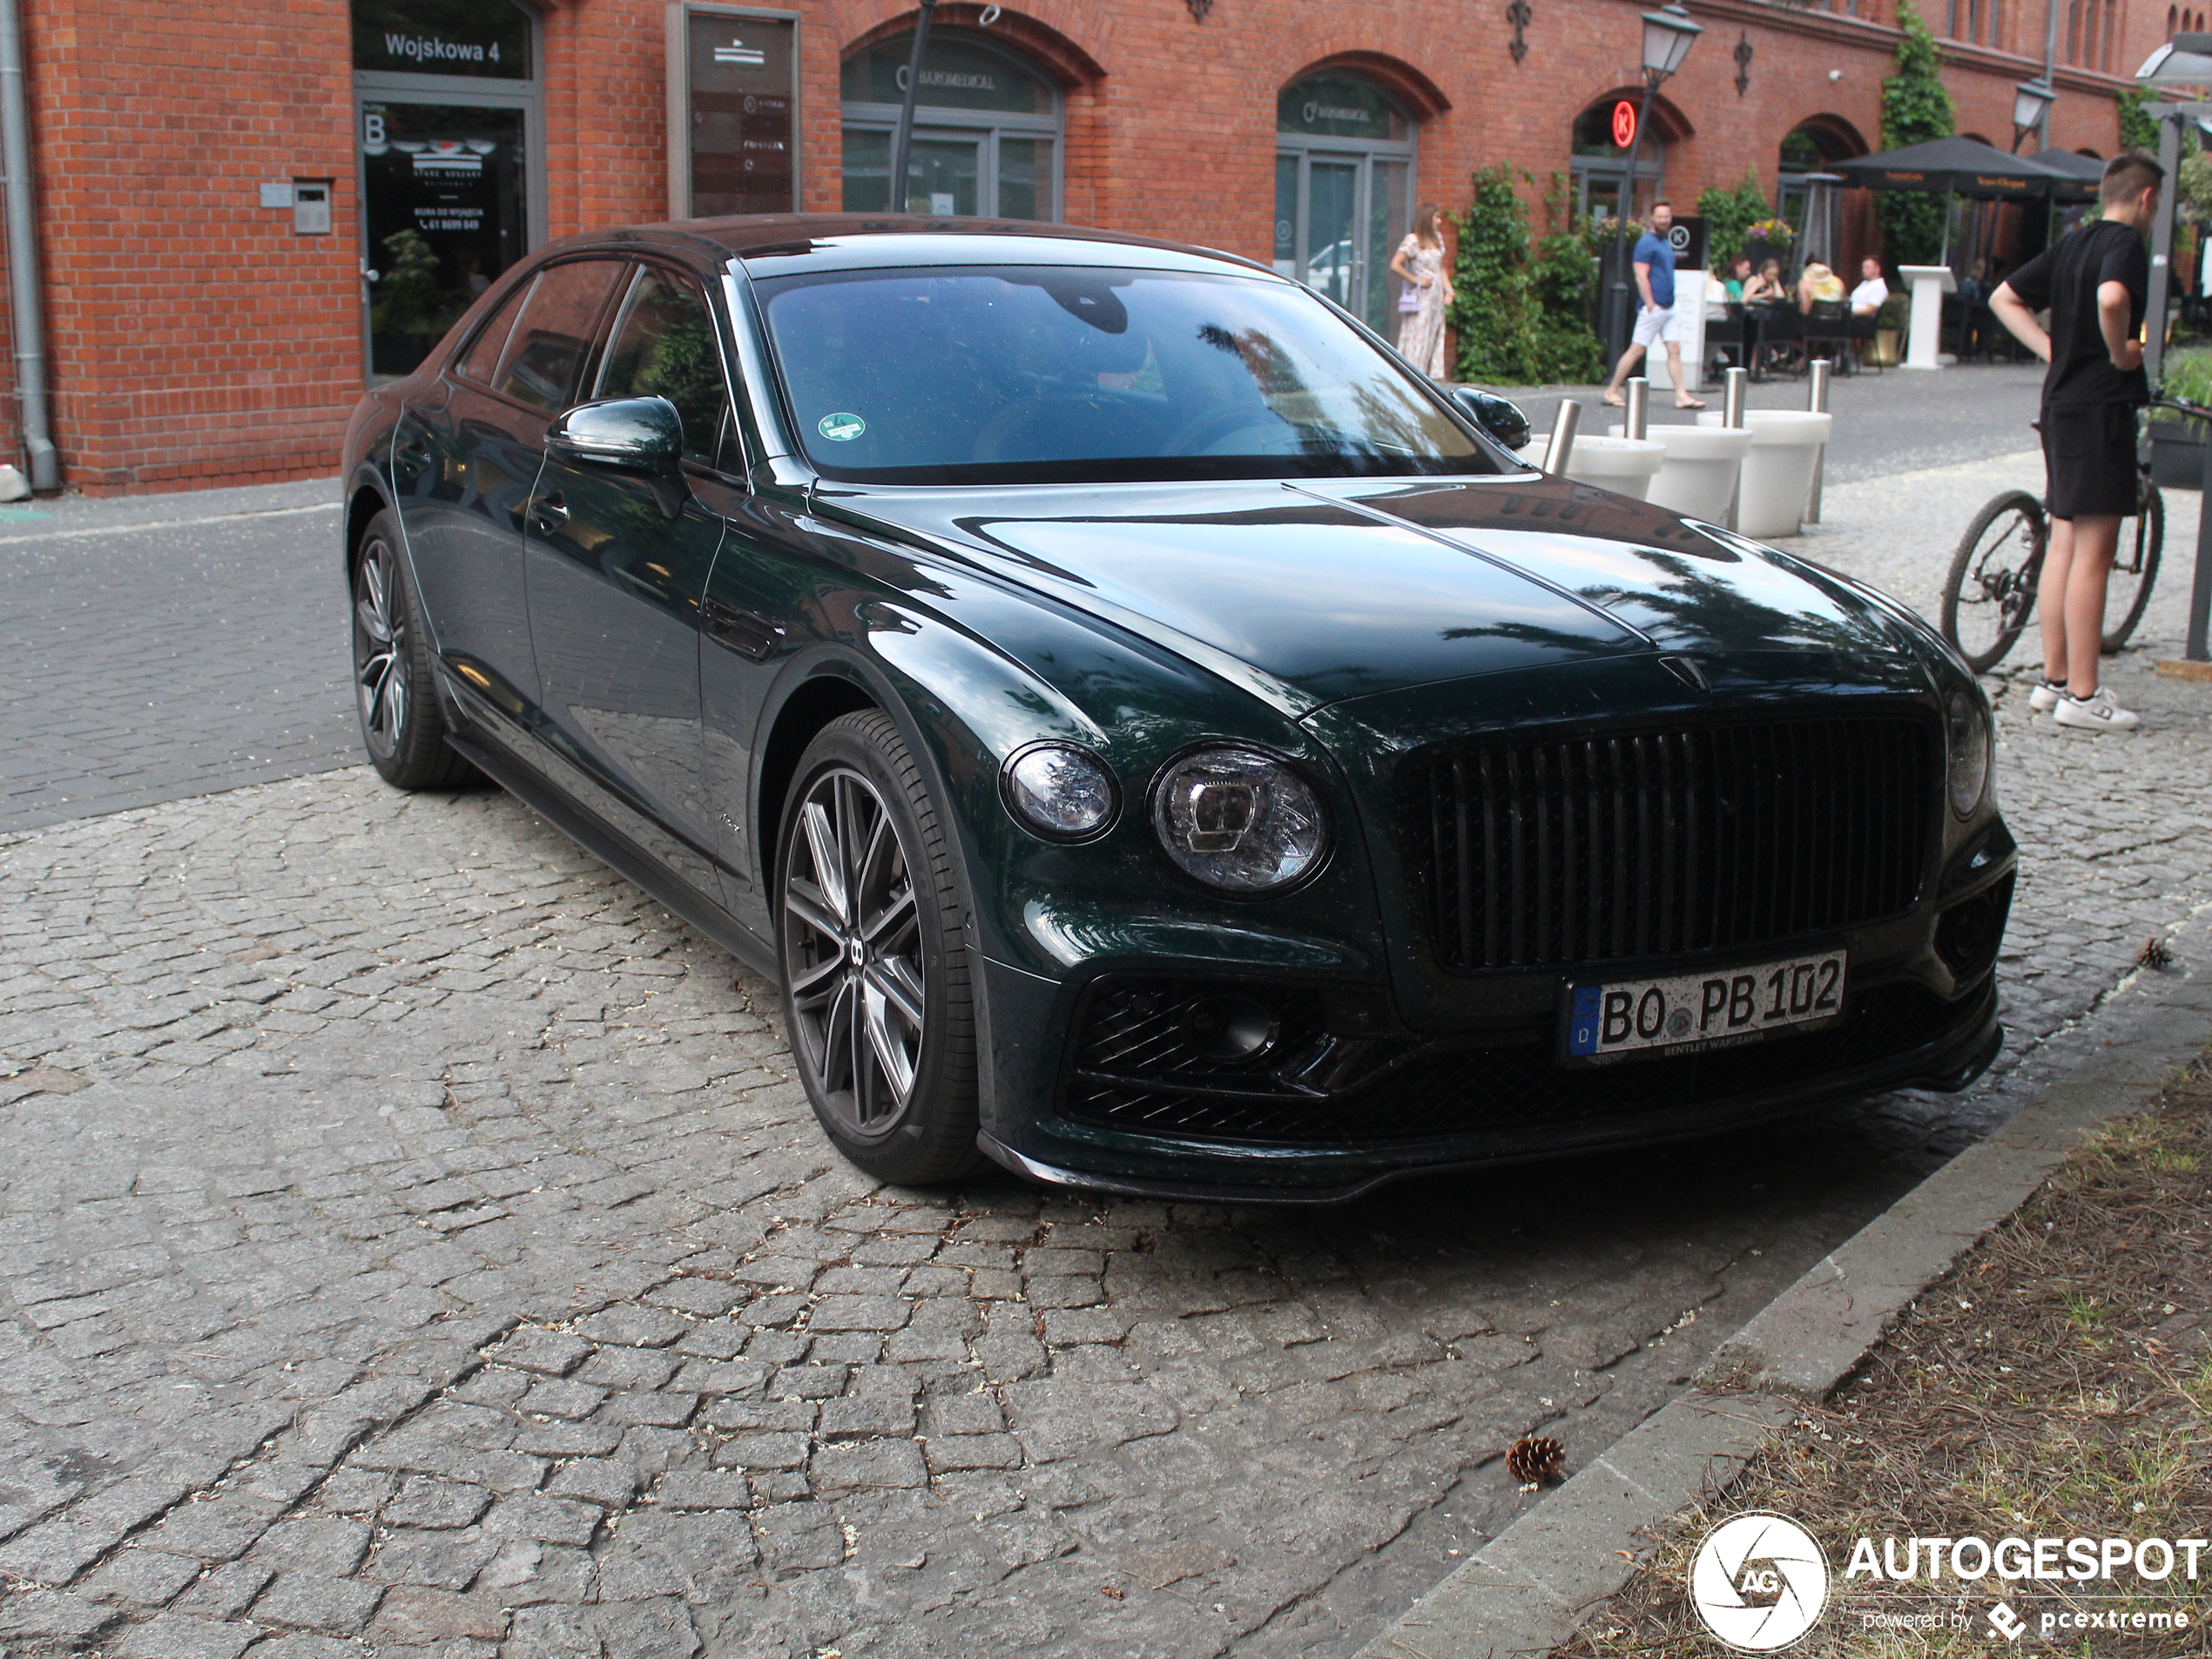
(841, 428)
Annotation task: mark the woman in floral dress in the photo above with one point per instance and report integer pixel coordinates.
(1419, 264)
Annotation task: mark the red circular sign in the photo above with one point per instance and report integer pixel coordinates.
(1624, 124)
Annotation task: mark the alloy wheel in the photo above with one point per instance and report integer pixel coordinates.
(853, 970)
(380, 666)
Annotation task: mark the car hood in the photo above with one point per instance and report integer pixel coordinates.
(1313, 591)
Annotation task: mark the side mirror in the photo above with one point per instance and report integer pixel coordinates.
(639, 435)
(1502, 420)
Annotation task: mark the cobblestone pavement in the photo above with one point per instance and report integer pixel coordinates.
(158, 647)
(412, 1240)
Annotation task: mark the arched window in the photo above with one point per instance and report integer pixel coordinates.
(450, 124)
(987, 130)
(1600, 166)
(1344, 165)
(1812, 147)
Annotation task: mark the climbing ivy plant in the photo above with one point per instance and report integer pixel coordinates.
(1916, 107)
(1521, 303)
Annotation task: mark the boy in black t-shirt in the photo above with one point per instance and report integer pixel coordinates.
(2095, 281)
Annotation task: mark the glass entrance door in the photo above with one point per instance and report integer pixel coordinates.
(1338, 221)
(442, 189)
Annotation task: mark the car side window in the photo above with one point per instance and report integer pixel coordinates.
(546, 355)
(665, 346)
(481, 362)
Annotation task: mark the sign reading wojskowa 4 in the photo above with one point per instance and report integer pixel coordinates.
(1761, 1582)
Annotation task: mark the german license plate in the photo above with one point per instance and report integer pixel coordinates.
(1697, 1011)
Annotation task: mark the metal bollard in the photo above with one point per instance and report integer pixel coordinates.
(1816, 400)
(1735, 383)
(1569, 417)
(1639, 391)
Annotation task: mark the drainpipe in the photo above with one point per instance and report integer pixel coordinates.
(23, 257)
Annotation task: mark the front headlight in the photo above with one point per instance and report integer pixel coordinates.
(1238, 819)
(1969, 743)
(1060, 791)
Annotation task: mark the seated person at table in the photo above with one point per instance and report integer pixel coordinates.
(1765, 287)
(1738, 279)
(1867, 299)
(1818, 282)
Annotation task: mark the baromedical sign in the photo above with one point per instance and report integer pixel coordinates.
(733, 111)
(1624, 124)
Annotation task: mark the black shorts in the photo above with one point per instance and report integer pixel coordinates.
(2090, 461)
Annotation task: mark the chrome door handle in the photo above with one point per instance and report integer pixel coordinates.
(550, 514)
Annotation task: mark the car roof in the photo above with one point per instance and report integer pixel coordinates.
(786, 244)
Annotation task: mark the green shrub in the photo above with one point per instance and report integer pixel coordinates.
(1521, 304)
(2188, 373)
(1729, 217)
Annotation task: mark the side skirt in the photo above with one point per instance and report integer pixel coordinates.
(619, 853)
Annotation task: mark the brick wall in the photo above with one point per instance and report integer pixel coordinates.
(194, 340)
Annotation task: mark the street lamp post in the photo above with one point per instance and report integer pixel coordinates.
(1667, 37)
(2032, 102)
(902, 141)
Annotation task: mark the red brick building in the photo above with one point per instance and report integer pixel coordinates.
(205, 326)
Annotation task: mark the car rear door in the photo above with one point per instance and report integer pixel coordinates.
(617, 571)
(464, 460)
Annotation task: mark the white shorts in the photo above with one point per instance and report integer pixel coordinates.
(1658, 326)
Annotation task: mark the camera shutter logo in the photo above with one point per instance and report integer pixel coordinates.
(1759, 1582)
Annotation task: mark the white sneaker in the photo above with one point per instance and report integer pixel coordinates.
(2046, 696)
(2095, 713)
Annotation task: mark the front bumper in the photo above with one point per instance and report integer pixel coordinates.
(1426, 1105)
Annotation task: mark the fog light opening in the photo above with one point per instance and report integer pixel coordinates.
(1229, 1026)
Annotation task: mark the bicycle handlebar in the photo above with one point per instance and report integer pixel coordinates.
(2161, 398)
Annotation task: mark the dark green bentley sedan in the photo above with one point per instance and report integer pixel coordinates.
(1155, 739)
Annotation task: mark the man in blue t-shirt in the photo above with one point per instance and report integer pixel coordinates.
(1653, 259)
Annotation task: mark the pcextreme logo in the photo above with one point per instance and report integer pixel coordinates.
(1759, 1582)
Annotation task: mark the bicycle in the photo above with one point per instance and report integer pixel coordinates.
(1990, 592)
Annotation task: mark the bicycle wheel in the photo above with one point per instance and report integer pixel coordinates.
(1990, 589)
(2135, 567)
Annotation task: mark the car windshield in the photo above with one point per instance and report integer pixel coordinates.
(1053, 375)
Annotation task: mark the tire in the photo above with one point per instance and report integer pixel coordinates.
(403, 728)
(874, 962)
(1990, 592)
(2141, 539)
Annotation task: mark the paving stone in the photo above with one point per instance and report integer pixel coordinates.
(307, 1601)
(169, 1636)
(412, 1614)
(140, 1578)
(425, 1501)
(324, 1549)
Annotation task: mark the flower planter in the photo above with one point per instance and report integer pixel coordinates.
(1698, 477)
(1622, 465)
(2177, 454)
(1888, 348)
(1777, 473)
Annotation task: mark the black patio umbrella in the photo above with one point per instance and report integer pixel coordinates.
(2087, 172)
(1957, 167)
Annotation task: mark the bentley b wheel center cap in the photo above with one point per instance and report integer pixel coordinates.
(856, 952)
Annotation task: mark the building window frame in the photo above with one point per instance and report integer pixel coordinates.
(943, 122)
(1365, 288)
(396, 86)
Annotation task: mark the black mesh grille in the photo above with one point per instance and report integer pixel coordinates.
(1462, 1091)
(1535, 854)
(1153, 1028)
(1968, 934)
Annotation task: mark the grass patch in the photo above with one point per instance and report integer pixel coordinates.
(2058, 1383)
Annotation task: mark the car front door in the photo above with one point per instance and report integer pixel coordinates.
(617, 571)
(464, 459)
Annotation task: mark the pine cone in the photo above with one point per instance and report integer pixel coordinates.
(2154, 954)
(1535, 1460)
